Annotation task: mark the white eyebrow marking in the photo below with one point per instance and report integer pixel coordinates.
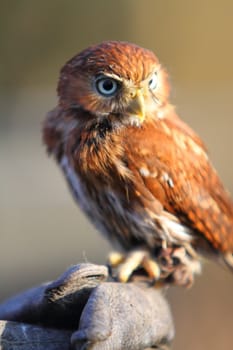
(110, 75)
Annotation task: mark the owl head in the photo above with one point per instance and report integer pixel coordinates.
(114, 78)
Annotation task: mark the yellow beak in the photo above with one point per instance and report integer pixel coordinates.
(136, 106)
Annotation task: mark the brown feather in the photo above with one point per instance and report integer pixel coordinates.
(195, 194)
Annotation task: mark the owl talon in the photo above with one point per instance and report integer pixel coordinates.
(132, 262)
(152, 268)
(128, 264)
(115, 259)
(172, 265)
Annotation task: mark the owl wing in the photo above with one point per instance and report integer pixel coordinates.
(172, 164)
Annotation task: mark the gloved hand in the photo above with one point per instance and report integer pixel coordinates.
(84, 308)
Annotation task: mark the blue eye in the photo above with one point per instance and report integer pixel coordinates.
(153, 81)
(106, 86)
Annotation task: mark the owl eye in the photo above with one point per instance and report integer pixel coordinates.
(153, 81)
(106, 86)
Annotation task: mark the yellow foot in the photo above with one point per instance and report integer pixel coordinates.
(131, 262)
(171, 266)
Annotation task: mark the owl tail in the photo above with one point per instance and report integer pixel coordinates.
(228, 260)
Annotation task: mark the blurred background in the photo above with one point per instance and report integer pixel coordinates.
(42, 230)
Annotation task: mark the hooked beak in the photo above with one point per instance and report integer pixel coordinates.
(136, 107)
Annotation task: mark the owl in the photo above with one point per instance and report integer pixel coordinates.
(140, 174)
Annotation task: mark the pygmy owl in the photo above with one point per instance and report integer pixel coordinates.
(140, 174)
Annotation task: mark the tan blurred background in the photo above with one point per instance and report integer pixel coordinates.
(42, 231)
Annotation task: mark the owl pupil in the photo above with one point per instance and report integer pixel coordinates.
(108, 85)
